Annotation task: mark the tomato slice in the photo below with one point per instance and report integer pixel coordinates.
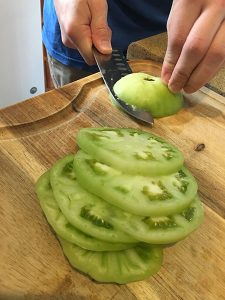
(98, 218)
(83, 210)
(62, 227)
(131, 150)
(140, 195)
(149, 93)
(121, 267)
(164, 229)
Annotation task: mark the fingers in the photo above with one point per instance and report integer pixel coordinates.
(84, 23)
(195, 49)
(76, 32)
(82, 40)
(179, 24)
(210, 65)
(92, 30)
(101, 33)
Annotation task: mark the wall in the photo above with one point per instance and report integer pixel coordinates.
(21, 57)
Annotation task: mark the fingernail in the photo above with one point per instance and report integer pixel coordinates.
(106, 46)
(173, 87)
(166, 77)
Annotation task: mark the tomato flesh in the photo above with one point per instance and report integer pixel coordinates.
(131, 150)
(83, 210)
(118, 202)
(148, 93)
(63, 228)
(139, 195)
(121, 267)
(164, 229)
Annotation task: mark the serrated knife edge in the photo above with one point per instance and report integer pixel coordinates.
(113, 67)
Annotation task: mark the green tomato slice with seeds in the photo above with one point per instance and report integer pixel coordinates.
(121, 267)
(131, 150)
(148, 93)
(91, 214)
(62, 227)
(140, 195)
(164, 229)
(83, 210)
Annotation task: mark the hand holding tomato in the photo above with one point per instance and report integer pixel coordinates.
(196, 44)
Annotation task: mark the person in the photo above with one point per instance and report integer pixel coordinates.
(196, 36)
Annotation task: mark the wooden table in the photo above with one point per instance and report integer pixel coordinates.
(37, 132)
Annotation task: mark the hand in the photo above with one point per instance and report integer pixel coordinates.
(83, 23)
(196, 43)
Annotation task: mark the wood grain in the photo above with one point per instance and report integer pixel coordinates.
(35, 133)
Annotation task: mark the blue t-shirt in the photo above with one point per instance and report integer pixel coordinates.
(129, 20)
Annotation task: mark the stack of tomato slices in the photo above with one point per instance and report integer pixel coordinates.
(116, 203)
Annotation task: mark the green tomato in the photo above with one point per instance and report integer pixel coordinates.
(83, 210)
(140, 195)
(121, 267)
(148, 93)
(131, 150)
(62, 227)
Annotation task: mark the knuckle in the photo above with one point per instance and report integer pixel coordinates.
(177, 42)
(169, 61)
(181, 75)
(196, 46)
(70, 29)
(101, 30)
(65, 41)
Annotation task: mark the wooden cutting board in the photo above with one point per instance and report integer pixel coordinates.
(37, 132)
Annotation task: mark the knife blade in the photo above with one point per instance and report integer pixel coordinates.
(113, 67)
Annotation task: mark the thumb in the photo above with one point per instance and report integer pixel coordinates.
(101, 33)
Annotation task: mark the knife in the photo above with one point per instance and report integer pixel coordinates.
(113, 67)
